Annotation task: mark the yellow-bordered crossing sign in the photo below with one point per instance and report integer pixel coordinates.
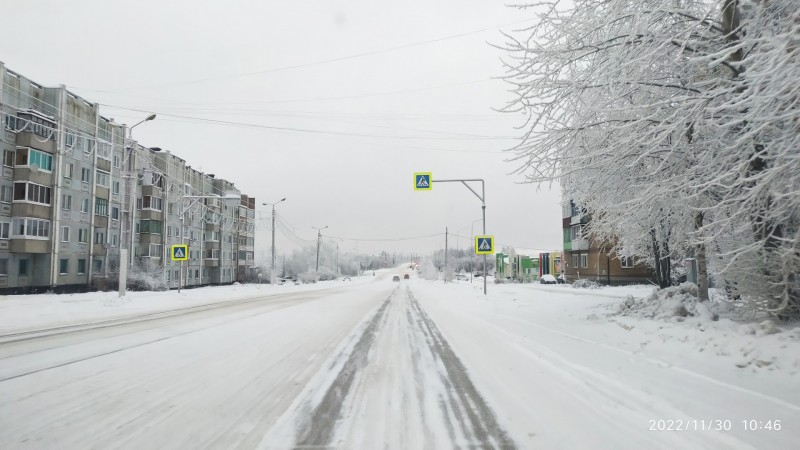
(422, 181)
(179, 252)
(484, 245)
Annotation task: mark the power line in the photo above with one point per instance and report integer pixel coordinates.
(302, 130)
(314, 63)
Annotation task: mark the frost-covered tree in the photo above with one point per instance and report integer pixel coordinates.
(674, 124)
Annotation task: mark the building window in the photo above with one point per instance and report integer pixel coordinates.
(30, 192)
(584, 260)
(101, 206)
(151, 226)
(154, 203)
(23, 268)
(25, 227)
(31, 157)
(117, 161)
(64, 234)
(114, 213)
(6, 194)
(84, 205)
(66, 202)
(97, 265)
(99, 235)
(577, 232)
(81, 266)
(155, 250)
(8, 158)
(13, 123)
(114, 240)
(102, 178)
(83, 235)
(86, 175)
(115, 187)
(63, 266)
(3, 267)
(575, 261)
(626, 262)
(5, 230)
(68, 169)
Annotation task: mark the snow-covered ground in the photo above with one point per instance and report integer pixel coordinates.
(372, 363)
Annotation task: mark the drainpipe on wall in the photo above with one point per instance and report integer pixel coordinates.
(93, 204)
(56, 213)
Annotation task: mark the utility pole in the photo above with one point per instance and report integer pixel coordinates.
(445, 254)
(272, 265)
(319, 242)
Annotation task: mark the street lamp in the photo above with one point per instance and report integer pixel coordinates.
(123, 275)
(319, 241)
(272, 266)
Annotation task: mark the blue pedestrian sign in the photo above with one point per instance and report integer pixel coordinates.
(422, 181)
(179, 252)
(484, 245)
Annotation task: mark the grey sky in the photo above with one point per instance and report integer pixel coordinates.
(371, 120)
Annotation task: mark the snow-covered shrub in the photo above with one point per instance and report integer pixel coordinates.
(428, 271)
(146, 279)
(308, 277)
(585, 284)
(676, 301)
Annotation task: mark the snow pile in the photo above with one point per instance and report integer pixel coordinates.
(677, 302)
(585, 284)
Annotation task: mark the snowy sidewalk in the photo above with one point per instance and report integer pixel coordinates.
(560, 371)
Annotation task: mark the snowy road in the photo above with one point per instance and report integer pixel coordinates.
(379, 364)
(221, 376)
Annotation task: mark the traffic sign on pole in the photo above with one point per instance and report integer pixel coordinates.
(179, 252)
(422, 181)
(484, 245)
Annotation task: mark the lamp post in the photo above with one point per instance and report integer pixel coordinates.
(123, 275)
(319, 241)
(272, 265)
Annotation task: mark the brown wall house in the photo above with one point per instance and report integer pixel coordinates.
(585, 258)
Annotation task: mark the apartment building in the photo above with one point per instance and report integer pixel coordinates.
(74, 192)
(586, 258)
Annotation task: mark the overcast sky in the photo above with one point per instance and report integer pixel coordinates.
(367, 91)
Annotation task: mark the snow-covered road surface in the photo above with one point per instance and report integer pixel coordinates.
(381, 364)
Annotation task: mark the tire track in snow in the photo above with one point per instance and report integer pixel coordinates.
(476, 419)
(318, 430)
(436, 386)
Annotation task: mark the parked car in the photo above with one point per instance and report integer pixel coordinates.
(548, 279)
(405, 276)
(396, 278)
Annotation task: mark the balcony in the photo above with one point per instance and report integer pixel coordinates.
(211, 262)
(29, 139)
(579, 244)
(22, 245)
(38, 176)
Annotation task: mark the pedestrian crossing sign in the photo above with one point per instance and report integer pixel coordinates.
(179, 252)
(422, 181)
(484, 245)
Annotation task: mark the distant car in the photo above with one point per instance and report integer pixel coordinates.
(548, 279)
(405, 276)
(396, 278)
